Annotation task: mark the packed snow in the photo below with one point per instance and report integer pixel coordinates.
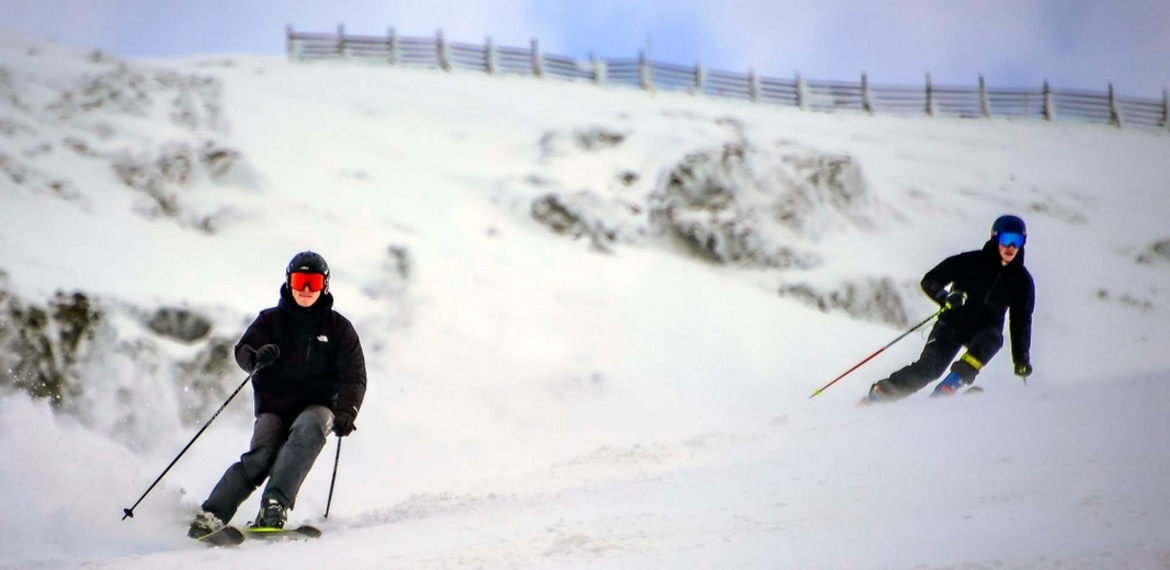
(592, 316)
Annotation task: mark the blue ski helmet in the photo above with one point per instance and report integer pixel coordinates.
(1009, 229)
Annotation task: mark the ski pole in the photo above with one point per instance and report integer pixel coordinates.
(129, 513)
(336, 459)
(879, 351)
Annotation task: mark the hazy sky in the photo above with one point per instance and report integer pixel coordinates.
(1072, 43)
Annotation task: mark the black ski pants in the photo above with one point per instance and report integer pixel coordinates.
(942, 346)
(283, 454)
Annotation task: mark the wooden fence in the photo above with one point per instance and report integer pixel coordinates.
(644, 73)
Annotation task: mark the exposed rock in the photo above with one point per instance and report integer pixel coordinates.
(79, 146)
(589, 140)
(598, 138)
(583, 214)
(40, 347)
(1159, 251)
(227, 166)
(875, 300)
(16, 171)
(179, 324)
(197, 101)
(561, 218)
(746, 205)
(178, 166)
(627, 177)
(194, 102)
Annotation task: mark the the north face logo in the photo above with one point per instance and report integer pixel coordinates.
(323, 338)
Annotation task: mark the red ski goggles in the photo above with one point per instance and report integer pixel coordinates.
(314, 281)
(1011, 239)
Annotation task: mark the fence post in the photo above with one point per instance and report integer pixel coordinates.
(700, 77)
(1047, 110)
(1114, 116)
(489, 56)
(441, 51)
(288, 41)
(392, 46)
(984, 104)
(341, 40)
(537, 60)
(866, 103)
(598, 69)
(801, 99)
(753, 86)
(645, 80)
(1165, 109)
(929, 96)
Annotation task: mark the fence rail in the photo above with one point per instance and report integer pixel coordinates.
(826, 96)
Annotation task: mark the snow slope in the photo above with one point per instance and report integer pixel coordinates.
(609, 401)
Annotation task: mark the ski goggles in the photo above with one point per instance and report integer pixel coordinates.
(299, 280)
(1011, 239)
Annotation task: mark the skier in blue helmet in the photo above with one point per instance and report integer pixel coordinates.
(975, 290)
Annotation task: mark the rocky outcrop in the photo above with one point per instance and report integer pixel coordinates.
(874, 300)
(758, 207)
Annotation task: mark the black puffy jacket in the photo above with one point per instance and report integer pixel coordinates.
(992, 290)
(321, 359)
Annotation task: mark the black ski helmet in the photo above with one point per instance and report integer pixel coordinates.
(1009, 224)
(308, 262)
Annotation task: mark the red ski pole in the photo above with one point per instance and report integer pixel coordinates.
(870, 357)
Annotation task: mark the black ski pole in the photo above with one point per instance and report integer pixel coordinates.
(129, 513)
(336, 459)
(879, 351)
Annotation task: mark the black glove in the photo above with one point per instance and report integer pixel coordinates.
(343, 423)
(265, 356)
(954, 300)
(1023, 369)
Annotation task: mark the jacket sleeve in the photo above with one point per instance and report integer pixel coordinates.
(254, 337)
(351, 366)
(1020, 321)
(935, 282)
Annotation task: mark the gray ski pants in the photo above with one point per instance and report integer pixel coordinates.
(281, 453)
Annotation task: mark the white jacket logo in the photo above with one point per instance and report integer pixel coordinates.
(323, 338)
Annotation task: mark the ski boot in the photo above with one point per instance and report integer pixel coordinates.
(963, 373)
(881, 391)
(204, 524)
(951, 384)
(272, 515)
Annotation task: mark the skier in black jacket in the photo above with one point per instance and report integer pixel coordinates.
(308, 377)
(983, 286)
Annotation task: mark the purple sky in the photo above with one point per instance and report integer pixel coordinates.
(1072, 43)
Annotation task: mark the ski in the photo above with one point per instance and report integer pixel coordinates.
(226, 536)
(233, 536)
(866, 402)
(266, 533)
